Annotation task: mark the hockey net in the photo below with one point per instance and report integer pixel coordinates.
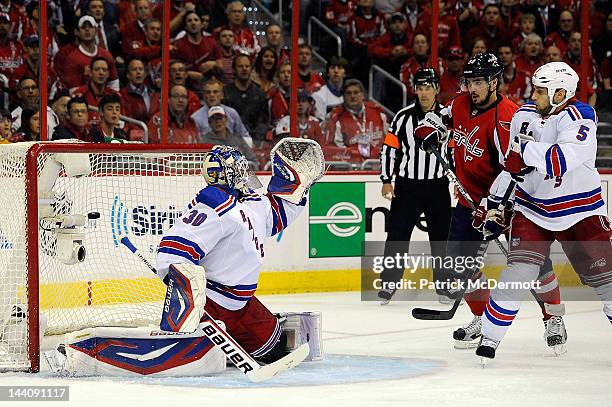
(138, 191)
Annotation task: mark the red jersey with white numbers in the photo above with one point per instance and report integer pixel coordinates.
(481, 140)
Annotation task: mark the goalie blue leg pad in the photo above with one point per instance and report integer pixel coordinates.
(112, 351)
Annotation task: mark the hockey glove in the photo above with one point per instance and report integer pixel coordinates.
(514, 160)
(490, 219)
(431, 132)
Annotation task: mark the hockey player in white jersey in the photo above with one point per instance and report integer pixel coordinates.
(223, 230)
(558, 197)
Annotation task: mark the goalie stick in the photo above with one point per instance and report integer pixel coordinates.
(234, 352)
(432, 314)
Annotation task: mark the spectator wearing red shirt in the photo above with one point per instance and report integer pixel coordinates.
(357, 124)
(134, 32)
(74, 70)
(420, 59)
(77, 126)
(200, 53)
(308, 79)
(491, 28)
(467, 13)
(392, 49)
(11, 52)
(417, 15)
(30, 66)
(246, 42)
(573, 59)
(365, 26)
(181, 127)
(560, 38)
(18, 20)
(527, 23)
(148, 50)
(226, 43)
(138, 100)
(530, 58)
(510, 16)
(178, 76)
(308, 125)
(337, 14)
(450, 81)
(108, 36)
(516, 83)
(279, 97)
(97, 86)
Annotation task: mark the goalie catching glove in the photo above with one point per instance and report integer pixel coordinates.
(431, 132)
(491, 219)
(296, 165)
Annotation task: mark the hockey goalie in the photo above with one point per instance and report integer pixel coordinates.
(210, 260)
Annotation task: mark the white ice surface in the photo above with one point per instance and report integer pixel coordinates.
(523, 374)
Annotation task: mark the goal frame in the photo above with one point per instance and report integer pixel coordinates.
(32, 221)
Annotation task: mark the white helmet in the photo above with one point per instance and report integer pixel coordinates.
(554, 76)
(225, 165)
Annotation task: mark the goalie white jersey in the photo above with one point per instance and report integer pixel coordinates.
(225, 235)
(565, 186)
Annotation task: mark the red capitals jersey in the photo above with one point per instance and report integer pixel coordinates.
(361, 132)
(12, 56)
(364, 30)
(481, 140)
(245, 41)
(337, 13)
(196, 54)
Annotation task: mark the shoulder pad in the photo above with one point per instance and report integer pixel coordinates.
(580, 111)
(216, 198)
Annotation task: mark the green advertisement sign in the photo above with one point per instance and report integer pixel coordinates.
(336, 219)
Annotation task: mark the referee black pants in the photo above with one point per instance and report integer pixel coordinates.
(413, 198)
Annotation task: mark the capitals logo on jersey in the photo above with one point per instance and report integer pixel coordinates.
(464, 138)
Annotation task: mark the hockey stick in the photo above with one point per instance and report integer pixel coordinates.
(432, 314)
(234, 352)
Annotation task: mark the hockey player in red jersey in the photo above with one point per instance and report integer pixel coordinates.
(558, 197)
(479, 120)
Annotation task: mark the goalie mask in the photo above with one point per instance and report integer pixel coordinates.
(226, 166)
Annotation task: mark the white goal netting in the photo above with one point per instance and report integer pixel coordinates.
(138, 196)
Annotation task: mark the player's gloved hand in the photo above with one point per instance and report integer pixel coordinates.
(490, 219)
(430, 132)
(514, 160)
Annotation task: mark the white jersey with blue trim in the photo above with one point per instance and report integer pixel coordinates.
(565, 186)
(225, 235)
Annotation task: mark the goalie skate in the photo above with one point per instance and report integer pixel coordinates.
(466, 336)
(555, 335)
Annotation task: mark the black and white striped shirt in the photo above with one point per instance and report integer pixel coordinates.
(400, 155)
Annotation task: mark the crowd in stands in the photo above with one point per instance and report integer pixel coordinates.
(226, 86)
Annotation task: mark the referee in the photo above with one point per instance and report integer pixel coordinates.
(420, 183)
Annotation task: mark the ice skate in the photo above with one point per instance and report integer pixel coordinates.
(385, 296)
(486, 350)
(555, 335)
(466, 336)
